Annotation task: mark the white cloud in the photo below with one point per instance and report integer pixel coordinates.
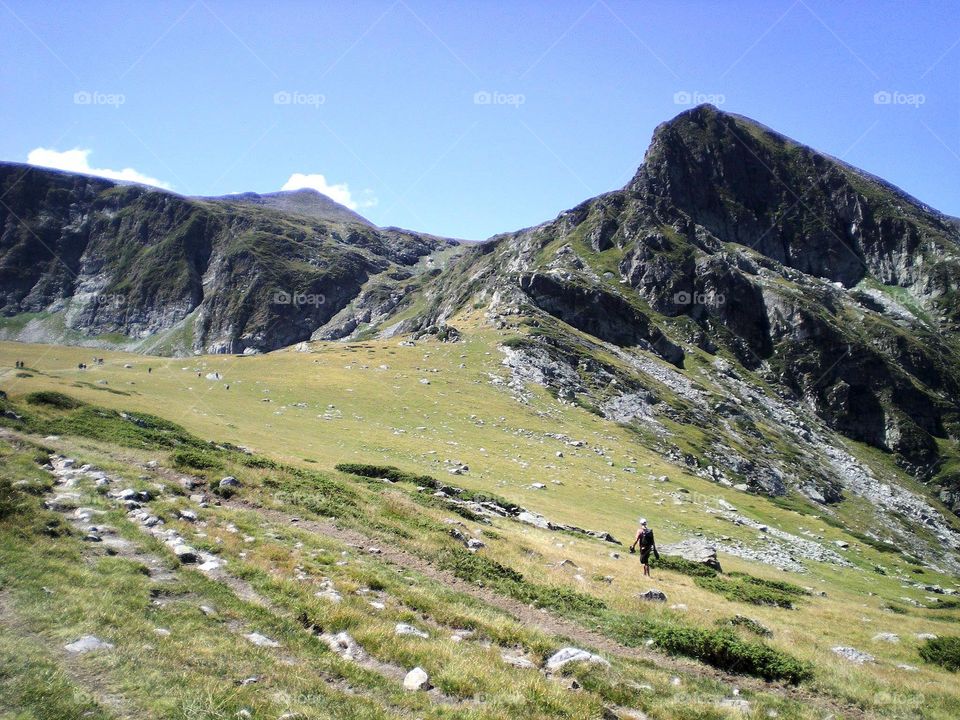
(338, 192)
(78, 160)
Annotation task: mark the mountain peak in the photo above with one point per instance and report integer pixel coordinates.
(305, 202)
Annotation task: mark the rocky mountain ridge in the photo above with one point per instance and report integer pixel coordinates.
(757, 311)
(85, 260)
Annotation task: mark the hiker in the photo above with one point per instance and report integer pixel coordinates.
(149, 370)
(647, 544)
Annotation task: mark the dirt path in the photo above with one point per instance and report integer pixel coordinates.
(548, 622)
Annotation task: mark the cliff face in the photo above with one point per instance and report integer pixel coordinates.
(237, 274)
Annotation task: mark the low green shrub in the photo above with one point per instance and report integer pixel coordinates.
(738, 587)
(192, 459)
(54, 413)
(682, 565)
(724, 649)
(949, 604)
(942, 651)
(53, 399)
(748, 624)
(397, 475)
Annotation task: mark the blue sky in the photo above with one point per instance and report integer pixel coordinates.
(467, 119)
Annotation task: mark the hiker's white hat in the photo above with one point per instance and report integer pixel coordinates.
(643, 521)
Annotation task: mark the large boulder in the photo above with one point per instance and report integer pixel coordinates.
(694, 550)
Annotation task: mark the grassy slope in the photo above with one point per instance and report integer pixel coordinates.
(377, 418)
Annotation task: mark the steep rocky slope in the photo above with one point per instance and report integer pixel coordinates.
(746, 303)
(89, 261)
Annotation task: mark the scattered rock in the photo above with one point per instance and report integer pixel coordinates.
(853, 655)
(694, 550)
(416, 679)
(86, 644)
(572, 654)
(886, 637)
(261, 640)
(534, 519)
(229, 481)
(344, 645)
(185, 554)
(653, 595)
(404, 629)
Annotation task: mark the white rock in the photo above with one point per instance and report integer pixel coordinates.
(261, 640)
(185, 553)
(404, 629)
(534, 519)
(886, 637)
(853, 655)
(417, 679)
(329, 595)
(87, 643)
(572, 654)
(344, 645)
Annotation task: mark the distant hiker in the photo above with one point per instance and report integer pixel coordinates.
(228, 387)
(149, 370)
(647, 544)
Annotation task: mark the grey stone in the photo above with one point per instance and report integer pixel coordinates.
(86, 644)
(886, 637)
(410, 630)
(694, 550)
(185, 554)
(853, 655)
(573, 654)
(416, 679)
(261, 640)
